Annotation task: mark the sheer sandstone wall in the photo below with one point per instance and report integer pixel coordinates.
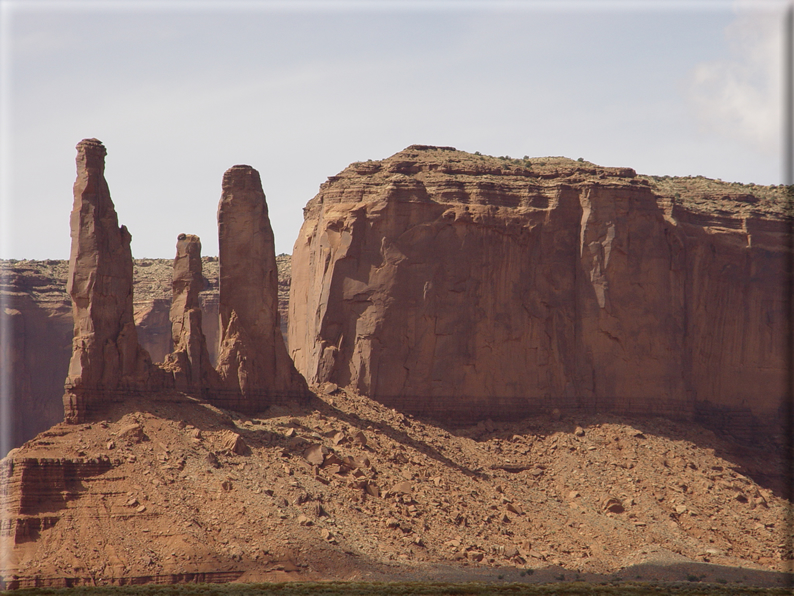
(464, 286)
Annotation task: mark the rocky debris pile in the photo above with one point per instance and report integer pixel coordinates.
(348, 488)
(253, 364)
(458, 285)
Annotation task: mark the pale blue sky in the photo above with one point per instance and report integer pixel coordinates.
(181, 91)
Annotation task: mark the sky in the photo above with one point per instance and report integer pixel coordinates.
(179, 91)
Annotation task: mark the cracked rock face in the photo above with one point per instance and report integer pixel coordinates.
(452, 284)
(253, 363)
(106, 357)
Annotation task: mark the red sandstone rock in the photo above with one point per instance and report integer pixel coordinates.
(462, 286)
(106, 358)
(190, 361)
(253, 362)
(34, 358)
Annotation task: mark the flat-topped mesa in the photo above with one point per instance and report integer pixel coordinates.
(466, 286)
(189, 362)
(106, 358)
(253, 362)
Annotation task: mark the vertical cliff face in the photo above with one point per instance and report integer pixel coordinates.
(106, 357)
(253, 363)
(466, 286)
(35, 356)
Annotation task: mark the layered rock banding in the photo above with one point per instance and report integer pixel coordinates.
(463, 286)
(106, 357)
(34, 355)
(253, 363)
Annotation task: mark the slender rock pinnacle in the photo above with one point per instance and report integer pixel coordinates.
(253, 362)
(106, 357)
(189, 362)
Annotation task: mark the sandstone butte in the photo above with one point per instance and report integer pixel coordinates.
(464, 287)
(573, 327)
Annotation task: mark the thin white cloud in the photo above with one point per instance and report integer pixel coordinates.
(740, 97)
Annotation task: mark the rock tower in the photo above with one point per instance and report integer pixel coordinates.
(190, 361)
(253, 362)
(107, 360)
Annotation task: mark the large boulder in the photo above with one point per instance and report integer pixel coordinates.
(467, 287)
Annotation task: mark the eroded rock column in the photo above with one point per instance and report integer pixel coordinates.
(253, 362)
(189, 362)
(106, 357)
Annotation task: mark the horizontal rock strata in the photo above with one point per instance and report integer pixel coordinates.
(465, 286)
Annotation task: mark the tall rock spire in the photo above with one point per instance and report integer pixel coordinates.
(253, 362)
(106, 357)
(190, 361)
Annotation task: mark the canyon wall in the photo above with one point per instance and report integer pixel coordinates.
(465, 287)
(37, 317)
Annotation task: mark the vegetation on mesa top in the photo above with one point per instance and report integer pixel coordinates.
(695, 193)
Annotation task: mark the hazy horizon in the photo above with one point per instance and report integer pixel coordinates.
(180, 91)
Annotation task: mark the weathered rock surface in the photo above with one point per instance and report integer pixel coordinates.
(253, 363)
(180, 491)
(39, 321)
(190, 361)
(106, 357)
(34, 358)
(153, 322)
(468, 287)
